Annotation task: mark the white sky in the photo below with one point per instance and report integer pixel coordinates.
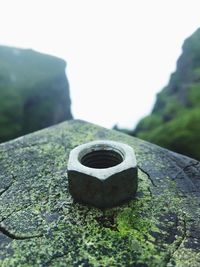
(120, 53)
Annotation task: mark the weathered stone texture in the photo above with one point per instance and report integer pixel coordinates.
(40, 225)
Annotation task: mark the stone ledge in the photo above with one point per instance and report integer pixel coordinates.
(40, 225)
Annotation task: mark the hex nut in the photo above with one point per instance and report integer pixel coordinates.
(102, 173)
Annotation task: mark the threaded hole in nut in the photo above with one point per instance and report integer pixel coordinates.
(101, 159)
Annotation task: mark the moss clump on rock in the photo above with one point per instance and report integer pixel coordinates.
(34, 92)
(41, 225)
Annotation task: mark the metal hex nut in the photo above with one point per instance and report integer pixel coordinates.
(102, 173)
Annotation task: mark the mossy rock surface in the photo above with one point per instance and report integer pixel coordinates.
(41, 225)
(34, 92)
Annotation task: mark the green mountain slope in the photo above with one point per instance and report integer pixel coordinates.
(34, 92)
(175, 120)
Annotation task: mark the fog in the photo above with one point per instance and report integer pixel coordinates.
(119, 53)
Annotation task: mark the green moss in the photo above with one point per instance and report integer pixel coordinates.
(49, 229)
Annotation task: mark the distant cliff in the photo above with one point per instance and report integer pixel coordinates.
(175, 120)
(34, 92)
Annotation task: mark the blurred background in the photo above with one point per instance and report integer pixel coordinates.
(125, 64)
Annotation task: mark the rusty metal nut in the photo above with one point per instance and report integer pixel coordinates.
(102, 173)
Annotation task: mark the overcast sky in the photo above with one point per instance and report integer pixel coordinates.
(120, 53)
